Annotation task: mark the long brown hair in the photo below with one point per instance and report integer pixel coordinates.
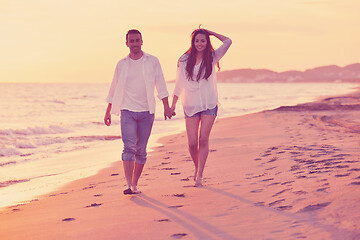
(206, 64)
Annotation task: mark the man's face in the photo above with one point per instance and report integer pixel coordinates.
(134, 43)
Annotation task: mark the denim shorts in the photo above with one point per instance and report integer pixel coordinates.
(211, 112)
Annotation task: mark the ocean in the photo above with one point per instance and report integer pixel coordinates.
(44, 127)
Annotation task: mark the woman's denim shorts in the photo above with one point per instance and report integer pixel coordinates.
(211, 112)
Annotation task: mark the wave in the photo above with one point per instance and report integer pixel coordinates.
(12, 182)
(4, 151)
(94, 138)
(7, 163)
(18, 146)
(51, 129)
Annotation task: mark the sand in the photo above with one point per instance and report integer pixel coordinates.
(289, 173)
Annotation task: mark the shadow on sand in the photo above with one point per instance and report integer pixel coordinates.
(200, 228)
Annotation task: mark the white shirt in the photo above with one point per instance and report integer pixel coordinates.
(199, 95)
(135, 91)
(153, 77)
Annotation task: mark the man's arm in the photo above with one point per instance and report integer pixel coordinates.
(107, 118)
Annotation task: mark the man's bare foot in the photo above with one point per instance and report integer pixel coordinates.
(128, 191)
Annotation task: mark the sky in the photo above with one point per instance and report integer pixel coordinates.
(81, 40)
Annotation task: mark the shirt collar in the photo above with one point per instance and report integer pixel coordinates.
(145, 55)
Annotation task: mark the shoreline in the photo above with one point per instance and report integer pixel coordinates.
(54, 178)
(262, 187)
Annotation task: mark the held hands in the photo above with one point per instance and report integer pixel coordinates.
(169, 112)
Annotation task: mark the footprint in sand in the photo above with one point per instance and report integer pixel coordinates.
(322, 189)
(163, 220)
(259, 204)
(88, 187)
(355, 183)
(176, 206)
(354, 169)
(268, 169)
(257, 191)
(276, 202)
(288, 182)
(282, 208)
(54, 195)
(178, 235)
(314, 207)
(342, 175)
(282, 191)
(273, 159)
(68, 219)
(168, 168)
(94, 205)
(267, 179)
(179, 195)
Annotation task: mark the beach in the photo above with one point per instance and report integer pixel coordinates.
(288, 173)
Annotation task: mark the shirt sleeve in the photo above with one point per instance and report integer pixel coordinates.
(180, 79)
(160, 83)
(220, 52)
(114, 82)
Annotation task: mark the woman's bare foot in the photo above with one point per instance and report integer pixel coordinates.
(198, 182)
(195, 173)
(135, 190)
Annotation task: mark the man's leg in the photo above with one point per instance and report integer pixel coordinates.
(144, 126)
(128, 171)
(137, 173)
(128, 135)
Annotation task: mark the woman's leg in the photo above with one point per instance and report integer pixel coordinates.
(192, 129)
(207, 122)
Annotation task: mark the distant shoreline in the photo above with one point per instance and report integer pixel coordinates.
(330, 73)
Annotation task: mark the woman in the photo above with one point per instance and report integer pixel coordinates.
(196, 83)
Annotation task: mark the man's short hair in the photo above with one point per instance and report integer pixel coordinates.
(133, 31)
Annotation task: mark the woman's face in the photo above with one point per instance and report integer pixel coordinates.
(200, 42)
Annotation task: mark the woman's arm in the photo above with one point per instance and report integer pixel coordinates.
(217, 35)
(220, 52)
(174, 101)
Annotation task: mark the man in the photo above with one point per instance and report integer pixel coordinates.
(132, 95)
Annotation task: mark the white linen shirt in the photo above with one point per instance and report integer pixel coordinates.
(153, 77)
(199, 95)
